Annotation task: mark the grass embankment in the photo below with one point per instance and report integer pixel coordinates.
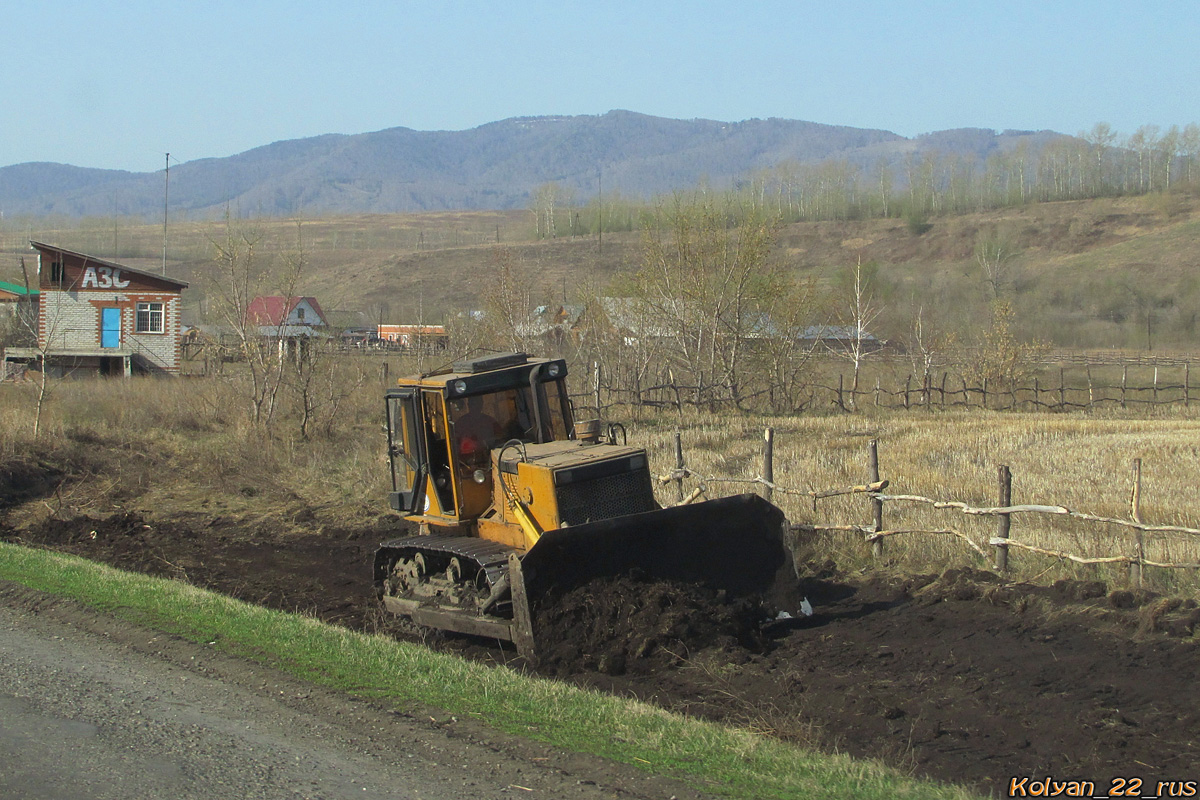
(737, 763)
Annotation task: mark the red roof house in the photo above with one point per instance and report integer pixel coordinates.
(278, 311)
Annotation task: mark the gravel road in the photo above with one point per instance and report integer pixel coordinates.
(92, 707)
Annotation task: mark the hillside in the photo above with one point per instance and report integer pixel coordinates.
(1095, 273)
(493, 166)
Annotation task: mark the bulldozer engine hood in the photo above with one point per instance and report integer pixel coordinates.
(568, 483)
(573, 461)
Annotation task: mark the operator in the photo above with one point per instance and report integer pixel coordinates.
(475, 432)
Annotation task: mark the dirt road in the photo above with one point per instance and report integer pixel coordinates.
(92, 707)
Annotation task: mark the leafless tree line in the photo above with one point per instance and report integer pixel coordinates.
(1099, 162)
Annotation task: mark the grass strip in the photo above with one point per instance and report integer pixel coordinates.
(732, 762)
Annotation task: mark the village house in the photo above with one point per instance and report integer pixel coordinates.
(18, 311)
(841, 338)
(98, 317)
(431, 337)
(290, 323)
(285, 312)
(11, 295)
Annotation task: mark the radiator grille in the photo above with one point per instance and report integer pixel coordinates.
(602, 498)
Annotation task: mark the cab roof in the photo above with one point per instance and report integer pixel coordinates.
(492, 372)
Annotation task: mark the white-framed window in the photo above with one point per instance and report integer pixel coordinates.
(150, 318)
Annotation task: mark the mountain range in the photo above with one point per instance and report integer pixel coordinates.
(494, 166)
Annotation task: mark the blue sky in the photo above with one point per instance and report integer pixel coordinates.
(118, 85)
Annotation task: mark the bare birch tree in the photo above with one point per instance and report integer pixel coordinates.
(860, 313)
(240, 271)
(705, 272)
(996, 253)
(929, 343)
(508, 301)
(547, 199)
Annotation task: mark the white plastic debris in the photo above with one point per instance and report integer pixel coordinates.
(806, 610)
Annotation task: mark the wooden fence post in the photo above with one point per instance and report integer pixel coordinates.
(1187, 379)
(1037, 393)
(943, 389)
(768, 469)
(907, 391)
(1003, 521)
(383, 373)
(1124, 381)
(1091, 394)
(675, 386)
(679, 464)
(876, 503)
(841, 397)
(984, 391)
(1135, 513)
(1062, 389)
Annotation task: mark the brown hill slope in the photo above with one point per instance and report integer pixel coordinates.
(1099, 273)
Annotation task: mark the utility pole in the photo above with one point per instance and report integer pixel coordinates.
(166, 195)
(600, 192)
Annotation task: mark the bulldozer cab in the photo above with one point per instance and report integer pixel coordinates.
(443, 428)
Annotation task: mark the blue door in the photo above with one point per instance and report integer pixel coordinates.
(110, 327)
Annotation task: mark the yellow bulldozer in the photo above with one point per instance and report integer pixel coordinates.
(515, 505)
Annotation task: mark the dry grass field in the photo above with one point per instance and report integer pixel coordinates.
(184, 448)
(1081, 462)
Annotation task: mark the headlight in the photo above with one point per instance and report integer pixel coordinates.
(553, 370)
(459, 387)
(479, 476)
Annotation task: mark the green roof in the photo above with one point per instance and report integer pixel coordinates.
(14, 289)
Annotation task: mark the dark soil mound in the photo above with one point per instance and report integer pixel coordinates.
(25, 480)
(639, 626)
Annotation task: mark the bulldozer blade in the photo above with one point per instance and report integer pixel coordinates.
(734, 544)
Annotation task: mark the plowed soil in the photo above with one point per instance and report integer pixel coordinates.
(957, 676)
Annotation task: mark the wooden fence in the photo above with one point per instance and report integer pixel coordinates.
(1001, 542)
(1069, 389)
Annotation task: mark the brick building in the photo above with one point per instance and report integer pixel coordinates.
(100, 317)
(428, 336)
